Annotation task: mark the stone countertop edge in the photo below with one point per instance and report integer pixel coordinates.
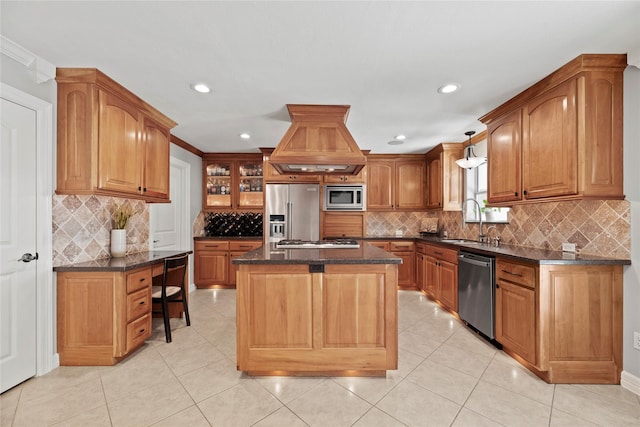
(227, 238)
(126, 263)
(537, 256)
(365, 254)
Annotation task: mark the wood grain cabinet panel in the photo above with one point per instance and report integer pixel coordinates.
(396, 182)
(561, 138)
(343, 320)
(444, 177)
(564, 321)
(109, 141)
(213, 267)
(343, 224)
(440, 274)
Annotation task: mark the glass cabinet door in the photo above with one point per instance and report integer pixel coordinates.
(250, 184)
(219, 185)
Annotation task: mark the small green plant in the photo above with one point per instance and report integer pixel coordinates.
(121, 216)
(486, 208)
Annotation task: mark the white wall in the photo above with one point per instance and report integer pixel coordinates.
(631, 307)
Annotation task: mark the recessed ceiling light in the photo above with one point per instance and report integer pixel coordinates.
(395, 142)
(449, 88)
(400, 137)
(245, 135)
(201, 87)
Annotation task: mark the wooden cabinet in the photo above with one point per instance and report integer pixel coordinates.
(272, 175)
(109, 141)
(343, 224)
(212, 261)
(560, 139)
(564, 321)
(102, 316)
(404, 249)
(515, 317)
(396, 182)
(439, 272)
(444, 177)
(360, 178)
(232, 182)
(290, 320)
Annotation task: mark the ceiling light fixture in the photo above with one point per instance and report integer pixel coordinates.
(201, 87)
(395, 142)
(400, 137)
(245, 135)
(449, 88)
(469, 162)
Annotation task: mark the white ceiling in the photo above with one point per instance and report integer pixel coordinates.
(384, 58)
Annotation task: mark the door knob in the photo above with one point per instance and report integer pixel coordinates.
(28, 257)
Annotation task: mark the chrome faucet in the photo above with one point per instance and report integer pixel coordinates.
(496, 239)
(464, 222)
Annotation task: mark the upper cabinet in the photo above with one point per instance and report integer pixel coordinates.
(444, 177)
(562, 137)
(232, 181)
(396, 182)
(110, 142)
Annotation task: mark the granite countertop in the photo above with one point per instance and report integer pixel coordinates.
(538, 256)
(228, 238)
(365, 254)
(129, 262)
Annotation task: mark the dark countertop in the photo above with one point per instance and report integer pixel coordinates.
(365, 254)
(537, 256)
(228, 238)
(129, 262)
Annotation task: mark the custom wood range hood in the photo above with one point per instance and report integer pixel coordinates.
(318, 142)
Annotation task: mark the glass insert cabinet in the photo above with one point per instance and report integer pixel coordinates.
(232, 182)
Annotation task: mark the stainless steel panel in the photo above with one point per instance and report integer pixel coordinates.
(476, 292)
(304, 215)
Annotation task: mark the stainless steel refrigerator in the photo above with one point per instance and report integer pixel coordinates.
(292, 211)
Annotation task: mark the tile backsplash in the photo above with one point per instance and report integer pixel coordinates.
(597, 227)
(82, 227)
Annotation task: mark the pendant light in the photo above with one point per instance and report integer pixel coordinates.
(469, 162)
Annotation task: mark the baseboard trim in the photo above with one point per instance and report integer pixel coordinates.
(630, 382)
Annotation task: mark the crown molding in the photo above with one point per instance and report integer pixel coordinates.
(42, 70)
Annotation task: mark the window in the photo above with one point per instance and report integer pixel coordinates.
(476, 188)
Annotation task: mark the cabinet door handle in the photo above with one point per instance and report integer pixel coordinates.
(512, 273)
(142, 331)
(142, 280)
(497, 286)
(139, 188)
(516, 194)
(524, 192)
(142, 303)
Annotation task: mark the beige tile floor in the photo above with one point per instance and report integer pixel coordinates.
(447, 376)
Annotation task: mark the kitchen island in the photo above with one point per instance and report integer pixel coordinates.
(317, 311)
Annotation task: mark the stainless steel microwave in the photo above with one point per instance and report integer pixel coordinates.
(345, 197)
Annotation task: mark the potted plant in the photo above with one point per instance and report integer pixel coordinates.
(489, 213)
(121, 216)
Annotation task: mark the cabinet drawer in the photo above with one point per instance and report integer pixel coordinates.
(378, 244)
(138, 331)
(401, 246)
(211, 245)
(138, 279)
(441, 253)
(244, 246)
(138, 304)
(521, 274)
(421, 248)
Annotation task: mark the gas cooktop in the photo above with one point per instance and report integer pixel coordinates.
(323, 244)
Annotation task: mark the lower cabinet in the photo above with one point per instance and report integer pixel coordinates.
(404, 249)
(102, 316)
(563, 321)
(437, 270)
(212, 261)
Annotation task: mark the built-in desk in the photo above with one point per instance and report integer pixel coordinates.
(104, 306)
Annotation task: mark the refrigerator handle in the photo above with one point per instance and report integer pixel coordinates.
(289, 219)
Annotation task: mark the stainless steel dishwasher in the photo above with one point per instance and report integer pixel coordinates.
(476, 291)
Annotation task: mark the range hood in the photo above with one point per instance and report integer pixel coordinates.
(318, 142)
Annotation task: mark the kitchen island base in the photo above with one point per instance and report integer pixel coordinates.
(329, 319)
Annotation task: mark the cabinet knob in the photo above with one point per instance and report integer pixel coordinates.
(497, 286)
(524, 192)
(516, 194)
(139, 188)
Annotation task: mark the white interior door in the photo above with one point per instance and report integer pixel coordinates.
(169, 222)
(17, 244)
